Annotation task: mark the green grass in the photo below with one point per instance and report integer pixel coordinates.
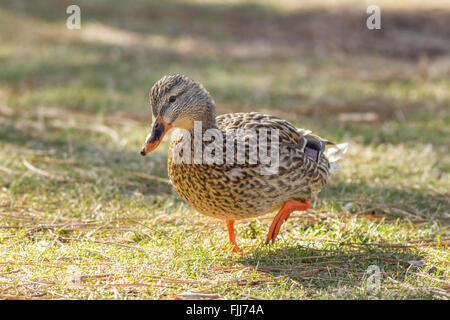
(84, 216)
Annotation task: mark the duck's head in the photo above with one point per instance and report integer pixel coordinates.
(177, 102)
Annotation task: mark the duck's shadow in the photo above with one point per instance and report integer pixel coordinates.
(333, 266)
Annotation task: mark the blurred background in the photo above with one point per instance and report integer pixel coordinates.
(296, 59)
(314, 63)
(74, 110)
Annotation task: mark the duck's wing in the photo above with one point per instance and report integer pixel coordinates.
(301, 139)
(302, 169)
(257, 121)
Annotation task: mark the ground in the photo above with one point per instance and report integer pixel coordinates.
(84, 216)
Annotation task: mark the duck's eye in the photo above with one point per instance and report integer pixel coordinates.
(172, 98)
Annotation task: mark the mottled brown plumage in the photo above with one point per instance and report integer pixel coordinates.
(235, 191)
(238, 191)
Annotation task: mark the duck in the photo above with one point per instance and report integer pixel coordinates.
(212, 164)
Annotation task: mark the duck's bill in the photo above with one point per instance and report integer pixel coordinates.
(159, 129)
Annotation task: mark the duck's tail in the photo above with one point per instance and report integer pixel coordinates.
(335, 153)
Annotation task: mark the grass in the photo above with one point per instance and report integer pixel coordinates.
(83, 216)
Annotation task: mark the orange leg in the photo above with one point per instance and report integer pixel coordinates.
(283, 215)
(230, 227)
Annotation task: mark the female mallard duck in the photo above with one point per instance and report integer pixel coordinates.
(227, 188)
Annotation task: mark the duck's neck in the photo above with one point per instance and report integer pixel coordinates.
(209, 123)
(207, 118)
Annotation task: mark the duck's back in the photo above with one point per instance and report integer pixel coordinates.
(236, 191)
